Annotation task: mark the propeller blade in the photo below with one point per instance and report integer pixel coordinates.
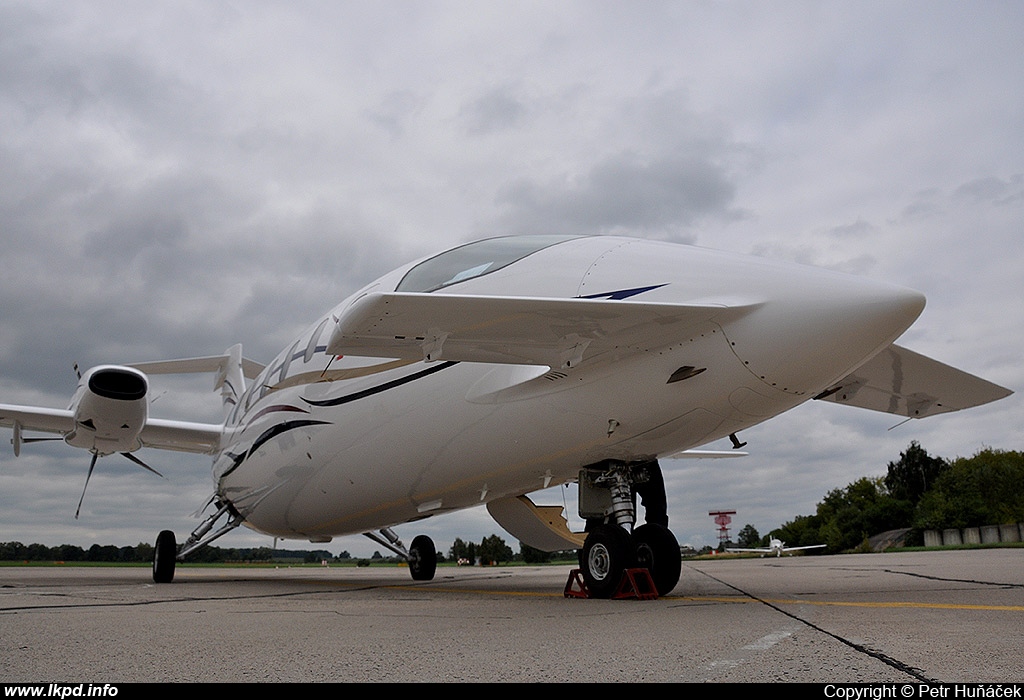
(142, 464)
(92, 465)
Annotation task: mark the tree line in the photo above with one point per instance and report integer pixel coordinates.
(920, 492)
(143, 552)
(491, 550)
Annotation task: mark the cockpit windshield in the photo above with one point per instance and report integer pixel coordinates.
(473, 260)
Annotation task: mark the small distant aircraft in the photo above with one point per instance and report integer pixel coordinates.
(506, 366)
(776, 547)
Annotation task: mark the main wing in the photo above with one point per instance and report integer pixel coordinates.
(515, 330)
(905, 383)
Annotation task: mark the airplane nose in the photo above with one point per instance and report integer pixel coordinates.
(822, 329)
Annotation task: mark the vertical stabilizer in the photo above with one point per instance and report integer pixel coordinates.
(231, 377)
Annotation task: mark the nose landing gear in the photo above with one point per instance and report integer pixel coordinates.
(421, 555)
(166, 553)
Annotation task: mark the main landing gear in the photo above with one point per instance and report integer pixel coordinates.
(613, 545)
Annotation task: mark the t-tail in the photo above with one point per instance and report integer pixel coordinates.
(230, 371)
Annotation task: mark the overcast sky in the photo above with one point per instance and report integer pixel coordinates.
(178, 177)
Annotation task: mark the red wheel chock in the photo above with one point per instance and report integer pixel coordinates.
(576, 587)
(635, 584)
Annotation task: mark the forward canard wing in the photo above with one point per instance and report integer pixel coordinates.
(905, 383)
(557, 333)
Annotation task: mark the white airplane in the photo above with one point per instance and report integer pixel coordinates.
(505, 366)
(776, 547)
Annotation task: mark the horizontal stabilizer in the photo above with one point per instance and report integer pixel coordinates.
(905, 383)
(516, 330)
(231, 370)
(199, 365)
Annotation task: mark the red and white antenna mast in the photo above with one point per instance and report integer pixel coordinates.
(722, 520)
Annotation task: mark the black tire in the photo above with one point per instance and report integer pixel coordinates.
(422, 558)
(657, 550)
(164, 557)
(605, 556)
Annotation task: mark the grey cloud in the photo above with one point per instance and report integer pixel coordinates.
(394, 110)
(497, 110)
(992, 189)
(857, 229)
(622, 192)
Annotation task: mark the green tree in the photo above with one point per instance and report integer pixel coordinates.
(12, 551)
(863, 508)
(748, 536)
(143, 552)
(846, 517)
(801, 530)
(69, 552)
(494, 549)
(531, 555)
(462, 550)
(914, 474)
(986, 489)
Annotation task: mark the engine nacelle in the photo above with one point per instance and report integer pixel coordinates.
(110, 408)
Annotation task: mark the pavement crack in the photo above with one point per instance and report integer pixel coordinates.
(955, 580)
(860, 648)
(183, 599)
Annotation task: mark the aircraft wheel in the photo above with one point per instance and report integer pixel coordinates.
(422, 558)
(657, 550)
(605, 556)
(164, 556)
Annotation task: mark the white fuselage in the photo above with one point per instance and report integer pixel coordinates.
(322, 446)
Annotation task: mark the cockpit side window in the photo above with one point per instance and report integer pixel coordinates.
(473, 260)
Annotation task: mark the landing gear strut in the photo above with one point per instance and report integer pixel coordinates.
(421, 555)
(607, 495)
(166, 553)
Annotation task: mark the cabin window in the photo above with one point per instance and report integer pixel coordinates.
(473, 260)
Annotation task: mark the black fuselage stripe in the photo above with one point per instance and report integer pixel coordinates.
(349, 398)
(266, 436)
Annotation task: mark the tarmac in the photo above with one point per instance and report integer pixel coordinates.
(913, 617)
